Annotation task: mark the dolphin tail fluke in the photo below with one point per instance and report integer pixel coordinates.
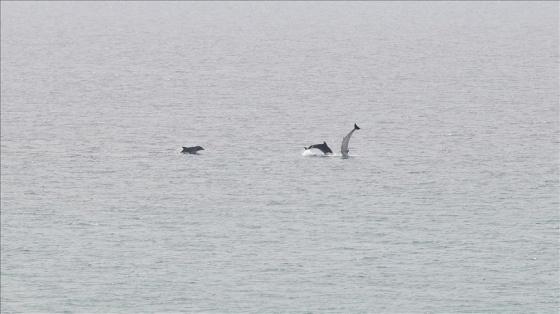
(356, 127)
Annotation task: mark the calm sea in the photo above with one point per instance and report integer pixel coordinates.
(449, 201)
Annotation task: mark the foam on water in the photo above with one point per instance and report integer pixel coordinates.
(314, 153)
(317, 153)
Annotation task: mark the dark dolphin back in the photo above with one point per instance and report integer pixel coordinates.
(191, 150)
(323, 147)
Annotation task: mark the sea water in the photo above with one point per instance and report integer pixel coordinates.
(448, 201)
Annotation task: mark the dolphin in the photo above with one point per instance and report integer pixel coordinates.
(322, 147)
(191, 150)
(344, 148)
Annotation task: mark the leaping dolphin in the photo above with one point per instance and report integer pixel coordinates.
(191, 150)
(322, 147)
(344, 148)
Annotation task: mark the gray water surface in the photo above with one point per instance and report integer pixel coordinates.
(448, 202)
